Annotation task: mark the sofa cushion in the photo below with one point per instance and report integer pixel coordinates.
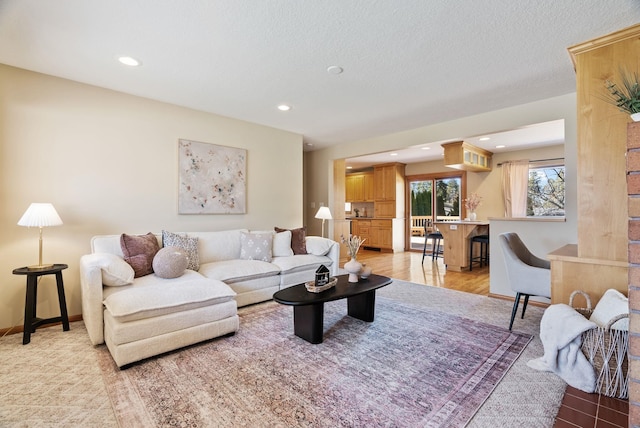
(188, 244)
(256, 246)
(282, 244)
(301, 262)
(170, 262)
(151, 296)
(231, 271)
(298, 237)
(218, 246)
(139, 251)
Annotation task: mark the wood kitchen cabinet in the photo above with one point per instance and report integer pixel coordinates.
(386, 234)
(359, 187)
(466, 157)
(388, 182)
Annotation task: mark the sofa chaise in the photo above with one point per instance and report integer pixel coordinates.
(143, 316)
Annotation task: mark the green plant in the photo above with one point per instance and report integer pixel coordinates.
(627, 96)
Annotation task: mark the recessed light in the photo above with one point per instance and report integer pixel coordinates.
(334, 69)
(349, 167)
(284, 107)
(393, 154)
(501, 146)
(485, 139)
(426, 148)
(127, 60)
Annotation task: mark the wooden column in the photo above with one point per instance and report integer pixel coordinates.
(633, 190)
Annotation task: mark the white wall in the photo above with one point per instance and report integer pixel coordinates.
(108, 162)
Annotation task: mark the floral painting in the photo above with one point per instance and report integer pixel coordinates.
(212, 179)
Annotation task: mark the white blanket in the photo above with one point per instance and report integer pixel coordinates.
(561, 328)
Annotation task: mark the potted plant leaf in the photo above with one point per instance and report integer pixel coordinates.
(627, 95)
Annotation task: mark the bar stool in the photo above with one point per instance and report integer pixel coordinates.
(483, 240)
(436, 249)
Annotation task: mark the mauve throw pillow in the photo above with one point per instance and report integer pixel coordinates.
(139, 251)
(298, 239)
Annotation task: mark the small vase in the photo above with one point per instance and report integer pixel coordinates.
(353, 267)
(635, 117)
(366, 271)
(472, 216)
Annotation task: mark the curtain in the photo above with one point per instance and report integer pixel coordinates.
(515, 183)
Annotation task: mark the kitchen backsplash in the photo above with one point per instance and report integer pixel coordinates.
(361, 209)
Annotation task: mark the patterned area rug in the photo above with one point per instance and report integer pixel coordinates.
(410, 367)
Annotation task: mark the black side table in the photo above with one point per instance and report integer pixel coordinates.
(31, 322)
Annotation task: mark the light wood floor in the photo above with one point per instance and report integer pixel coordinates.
(408, 266)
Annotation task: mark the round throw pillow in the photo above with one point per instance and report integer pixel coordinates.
(170, 262)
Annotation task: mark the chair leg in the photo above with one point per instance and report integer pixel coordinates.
(424, 249)
(524, 307)
(514, 310)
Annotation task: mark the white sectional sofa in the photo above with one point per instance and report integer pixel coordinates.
(151, 315)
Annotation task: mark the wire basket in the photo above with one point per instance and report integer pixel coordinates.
(607, 350)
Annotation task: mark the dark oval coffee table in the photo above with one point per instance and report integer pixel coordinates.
(308, 307)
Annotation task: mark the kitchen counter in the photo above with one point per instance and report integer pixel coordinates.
(456, 235)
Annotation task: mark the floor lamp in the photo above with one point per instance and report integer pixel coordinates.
(325, 214)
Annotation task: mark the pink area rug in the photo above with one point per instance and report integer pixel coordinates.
(410, 367)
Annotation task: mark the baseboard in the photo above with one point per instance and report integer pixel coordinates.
(511, 299)
(20, 328)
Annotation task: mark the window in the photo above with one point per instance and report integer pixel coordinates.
(545, 196)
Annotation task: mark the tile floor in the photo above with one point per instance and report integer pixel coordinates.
(583, 410)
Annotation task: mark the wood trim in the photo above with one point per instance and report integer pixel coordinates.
(512, 299)
(20, 328)
(598, 42)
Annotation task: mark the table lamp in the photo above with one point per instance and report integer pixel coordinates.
(40, 215)
(325, 214)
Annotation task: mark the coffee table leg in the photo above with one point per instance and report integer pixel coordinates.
(362, 306)
(308, 322)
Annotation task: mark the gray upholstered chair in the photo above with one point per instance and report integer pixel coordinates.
(527, 274)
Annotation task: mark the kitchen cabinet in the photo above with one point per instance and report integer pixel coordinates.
(386, 209)
(384, 234)
(359, 187)
(466, 157)
(361, 228)
(388, 181)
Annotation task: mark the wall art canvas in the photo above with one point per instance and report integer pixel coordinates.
(212, 179)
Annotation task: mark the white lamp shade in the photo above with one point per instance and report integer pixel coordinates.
(324, 213)
(40, 215)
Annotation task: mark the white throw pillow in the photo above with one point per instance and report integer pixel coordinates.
(318, 246)
(612, 304)
(282, 244)
(115, 271)
(256, 246)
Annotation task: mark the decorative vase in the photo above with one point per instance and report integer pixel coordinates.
(353, 267)
(635, 117)
(366, 271)
(472, 216)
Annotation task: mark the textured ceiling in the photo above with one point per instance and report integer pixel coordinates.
(407, 63)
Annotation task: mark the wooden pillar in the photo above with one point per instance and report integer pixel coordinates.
(633, 191)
